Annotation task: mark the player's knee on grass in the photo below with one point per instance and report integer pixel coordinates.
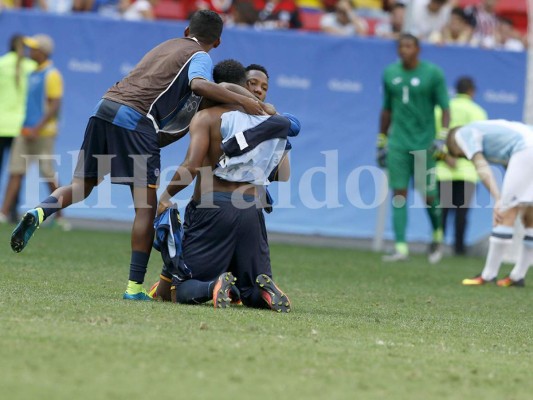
(193, 291)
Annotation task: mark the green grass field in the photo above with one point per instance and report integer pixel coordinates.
(359, 329)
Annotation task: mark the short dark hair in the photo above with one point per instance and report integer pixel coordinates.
(398, 5)
(464, 85)
(506, 21)
(15, 42)
(206, 26)
(257, 67)
(409, 36)
(459, 12)
(230, 71)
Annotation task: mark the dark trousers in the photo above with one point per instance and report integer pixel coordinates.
(455, 197)
(5, 147)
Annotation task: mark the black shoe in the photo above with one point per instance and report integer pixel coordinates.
(274, 297)
(221, 291)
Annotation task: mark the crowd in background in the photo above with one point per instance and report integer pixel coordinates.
(442, 22)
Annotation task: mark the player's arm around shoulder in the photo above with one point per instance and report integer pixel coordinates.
(199, 132)
(185, 174)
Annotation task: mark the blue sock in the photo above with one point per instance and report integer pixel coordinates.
(193, 291)
(50, 206)
(138, 266)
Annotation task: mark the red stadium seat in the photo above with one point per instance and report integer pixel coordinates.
(310, 19)
(170, 9)
(372, 22)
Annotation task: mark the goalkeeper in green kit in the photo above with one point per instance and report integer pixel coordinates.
(411, 89)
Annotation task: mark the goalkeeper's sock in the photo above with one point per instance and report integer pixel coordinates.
(435, 216)
(399, 218)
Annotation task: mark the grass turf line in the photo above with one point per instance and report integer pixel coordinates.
(359, 329)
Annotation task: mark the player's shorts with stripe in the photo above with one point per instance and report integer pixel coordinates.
(224, 234)
(122, 142)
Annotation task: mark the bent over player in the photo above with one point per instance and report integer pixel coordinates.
(510, 144)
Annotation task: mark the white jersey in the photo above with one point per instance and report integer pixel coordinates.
(255, 165)
(496, 139)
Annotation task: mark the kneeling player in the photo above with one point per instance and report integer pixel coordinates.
(225, 234)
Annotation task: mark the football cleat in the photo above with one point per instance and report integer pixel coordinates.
(142, 296)
(235, 296)
(507, 282)
(435, 253)
(477, 281)
(135, 291)
(153, 290)
(395, 257)
(25, 229)
(273, 296)
(221, 291)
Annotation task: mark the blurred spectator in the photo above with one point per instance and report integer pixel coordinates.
(9, 4)
(423, 17)
(388, 5)
(14, 71)
(457, 31)
(55, 6)
(137, 10)
(343, 21)
(507, 37)
(485, 22)
(457, 176)
(243, 13)
(278, 14)
(83, 5)
(392, 28)
(221, 7)
(107, 8)
(38, 135)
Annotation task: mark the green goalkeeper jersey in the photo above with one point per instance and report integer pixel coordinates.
(411, 97)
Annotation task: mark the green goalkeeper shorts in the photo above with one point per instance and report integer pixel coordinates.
(419, 164)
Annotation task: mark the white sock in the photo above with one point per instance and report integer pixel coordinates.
(500, 238)
(525, 259)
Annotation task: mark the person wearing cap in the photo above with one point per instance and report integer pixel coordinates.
(40, 126)
(149, 108)
(14, 72)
